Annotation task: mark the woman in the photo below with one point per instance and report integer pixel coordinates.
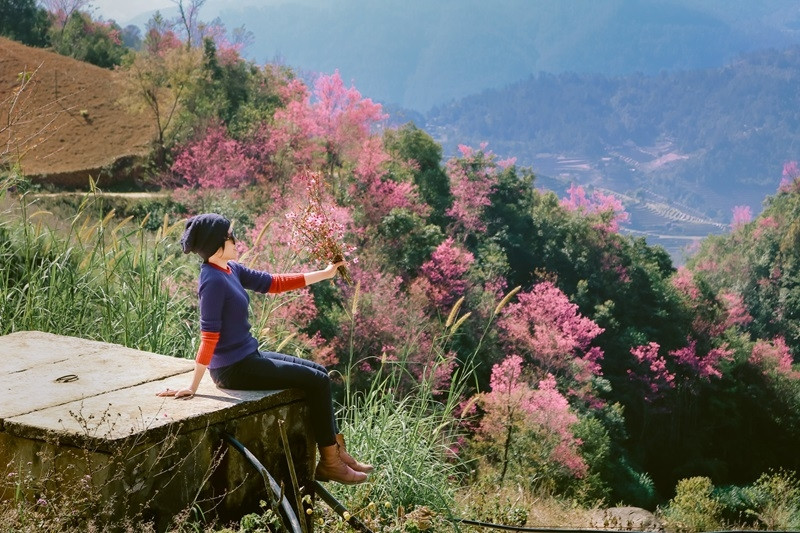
(230, 352)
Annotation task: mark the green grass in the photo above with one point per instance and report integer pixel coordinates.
(93, 276)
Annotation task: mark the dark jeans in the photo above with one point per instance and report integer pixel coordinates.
(270, 370)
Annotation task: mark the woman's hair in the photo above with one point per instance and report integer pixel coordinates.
(205, 234)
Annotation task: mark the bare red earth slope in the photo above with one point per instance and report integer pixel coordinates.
(70, 123)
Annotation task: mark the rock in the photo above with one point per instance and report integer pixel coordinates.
(626, 518)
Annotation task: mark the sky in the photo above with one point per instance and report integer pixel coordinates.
(123, 11)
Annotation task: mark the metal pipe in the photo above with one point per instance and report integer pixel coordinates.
(276, 489)
(340, 509)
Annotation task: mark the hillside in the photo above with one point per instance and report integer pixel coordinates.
(72, 124)
(698, 141)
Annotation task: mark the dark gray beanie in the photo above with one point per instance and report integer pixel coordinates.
(205, 234)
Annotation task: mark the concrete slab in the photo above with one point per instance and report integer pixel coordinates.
(27, 349)
(99, 421)
(49, 370)
(104, 429)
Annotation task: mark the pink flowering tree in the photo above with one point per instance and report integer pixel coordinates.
(386, 329)
(766, 226)
(473, 177)
(683, 368)
(293, 131)
(545, 328)
(692, 366)
(773, 358)
(374, 190)
(711, 314)
(327, 129)
(789, 181)
(345, 118)
(550, 411)
(334, 130)
(607, 207)
(445, 274)
(160, 36)
(516, 415)
(651, 373)
(505, 407)
(214, 161)
(742, 214)
(736, 312)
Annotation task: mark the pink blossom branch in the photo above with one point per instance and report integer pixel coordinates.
(314, 232)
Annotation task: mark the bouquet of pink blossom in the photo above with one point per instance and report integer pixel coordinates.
(313, 230)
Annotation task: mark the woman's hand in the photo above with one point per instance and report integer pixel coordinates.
(330, 270)
(180, 393)
(320, 275)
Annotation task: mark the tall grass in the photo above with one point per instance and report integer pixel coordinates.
(411, 430)
(92, 276)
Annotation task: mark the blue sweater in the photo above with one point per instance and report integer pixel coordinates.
(225, 306)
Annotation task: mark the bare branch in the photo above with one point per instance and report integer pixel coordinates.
(22, 126)
(189, 13)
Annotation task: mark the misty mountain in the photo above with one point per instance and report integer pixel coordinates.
(419, 53)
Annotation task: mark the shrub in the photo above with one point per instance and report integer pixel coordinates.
(775, 498)
(738, 504)
(693, 508)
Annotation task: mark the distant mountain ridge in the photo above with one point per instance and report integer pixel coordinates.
(418, 54)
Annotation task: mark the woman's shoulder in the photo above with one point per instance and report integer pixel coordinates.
(239, 268)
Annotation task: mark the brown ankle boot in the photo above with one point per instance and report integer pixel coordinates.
(332, 468)
(348, 459)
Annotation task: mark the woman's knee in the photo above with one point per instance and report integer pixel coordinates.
(321, 380)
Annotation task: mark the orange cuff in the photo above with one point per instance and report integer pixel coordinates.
(287, 282)
(208, 342)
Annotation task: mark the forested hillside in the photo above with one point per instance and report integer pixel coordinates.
(709, 139)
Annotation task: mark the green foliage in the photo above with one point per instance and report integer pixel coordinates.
(511, 226)
(776, 499)
(265, 522)
(772, 502)
(693, 508)
(379, 423)
(595, 449)
(410, 144)
(23, 21)
(87, 40)
(757, 407)
(151, 213)
(407, 241)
